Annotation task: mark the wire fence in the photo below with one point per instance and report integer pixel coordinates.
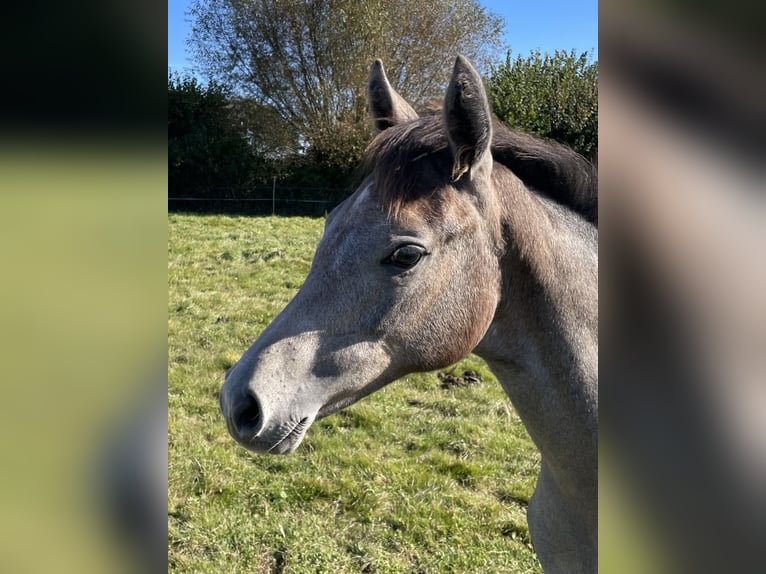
(264, 200)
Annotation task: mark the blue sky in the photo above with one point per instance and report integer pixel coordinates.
(546, 24)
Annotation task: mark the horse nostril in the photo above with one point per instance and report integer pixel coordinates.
(247, 420)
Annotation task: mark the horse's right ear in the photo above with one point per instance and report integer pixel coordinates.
(468, 119)
(387, 107)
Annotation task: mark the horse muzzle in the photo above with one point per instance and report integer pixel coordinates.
(255, 427)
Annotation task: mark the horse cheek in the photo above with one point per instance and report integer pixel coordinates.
(457, 324)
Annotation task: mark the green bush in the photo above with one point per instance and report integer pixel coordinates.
(553, 96)
(207, 155)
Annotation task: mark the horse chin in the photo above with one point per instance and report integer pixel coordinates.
(335, 406)
(288, 445)
(283, 440)
(338, 403)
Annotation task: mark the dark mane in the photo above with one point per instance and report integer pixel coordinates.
(409, 159)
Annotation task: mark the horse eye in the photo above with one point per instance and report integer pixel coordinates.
(406, 256)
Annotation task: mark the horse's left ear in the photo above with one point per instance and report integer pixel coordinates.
(468, 119)
(387, 107)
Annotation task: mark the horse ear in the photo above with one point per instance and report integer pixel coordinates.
(468, 118)
(387, 107)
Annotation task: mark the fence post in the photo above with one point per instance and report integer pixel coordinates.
(274, 195)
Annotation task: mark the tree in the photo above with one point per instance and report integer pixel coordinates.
(263, 128)
(207, 152)
(310, 59)
(552, 96)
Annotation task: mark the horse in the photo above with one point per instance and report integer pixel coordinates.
(463, 236)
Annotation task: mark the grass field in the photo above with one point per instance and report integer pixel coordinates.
(415, 478)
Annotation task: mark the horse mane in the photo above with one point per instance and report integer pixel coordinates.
(410, 158)
(549, 167)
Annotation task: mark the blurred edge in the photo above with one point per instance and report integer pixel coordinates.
(683, 335)
(84, 349)
(83, 181)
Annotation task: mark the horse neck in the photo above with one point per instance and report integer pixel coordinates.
(542, 343)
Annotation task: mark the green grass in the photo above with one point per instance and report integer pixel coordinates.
(414, 478)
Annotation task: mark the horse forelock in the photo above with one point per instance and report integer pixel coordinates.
(412, 162)
(409, 162)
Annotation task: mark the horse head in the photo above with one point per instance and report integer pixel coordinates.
(405, 278)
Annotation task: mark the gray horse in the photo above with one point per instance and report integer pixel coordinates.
(463, 236)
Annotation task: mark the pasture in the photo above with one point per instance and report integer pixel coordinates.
(414, 478)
